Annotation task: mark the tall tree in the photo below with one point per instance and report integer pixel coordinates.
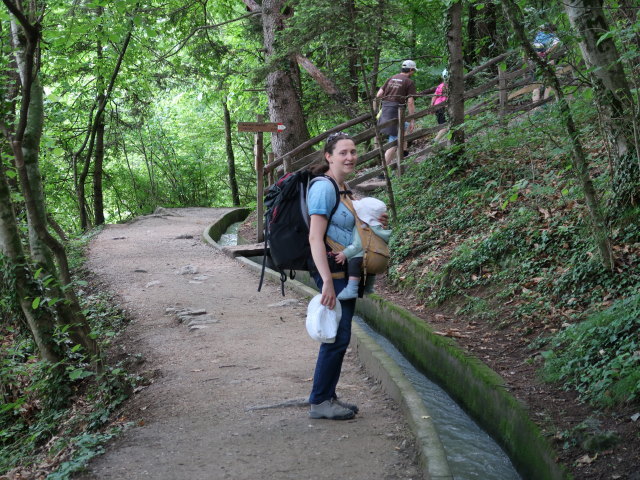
(613, 96)
(94, 136)
(284, 98)
(600, 233)
(456, 72)
(231, 159)
(25, 143)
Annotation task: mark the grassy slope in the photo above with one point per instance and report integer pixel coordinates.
(509, 218)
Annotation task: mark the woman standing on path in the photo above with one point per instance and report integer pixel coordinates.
(339, 161)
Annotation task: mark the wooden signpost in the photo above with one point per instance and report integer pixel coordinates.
(259, 128)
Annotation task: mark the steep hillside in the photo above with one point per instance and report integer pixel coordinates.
(496, 249)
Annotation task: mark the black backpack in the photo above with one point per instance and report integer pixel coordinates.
(286, 224)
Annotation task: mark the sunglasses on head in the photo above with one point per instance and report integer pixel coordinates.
(336, 136)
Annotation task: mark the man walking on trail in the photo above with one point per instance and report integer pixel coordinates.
(397, 91)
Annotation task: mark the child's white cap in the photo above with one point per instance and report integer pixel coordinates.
(369, 210)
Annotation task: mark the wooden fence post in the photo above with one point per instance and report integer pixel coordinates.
(503, 95)
(259, 164)
(400, 147)
(271, 179)
(286, 164)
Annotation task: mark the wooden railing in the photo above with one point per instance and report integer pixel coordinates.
(507, 85)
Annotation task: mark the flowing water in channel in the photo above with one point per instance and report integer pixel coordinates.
(471, 452)
(230, 237)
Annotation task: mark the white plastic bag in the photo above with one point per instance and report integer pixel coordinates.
(322, 323)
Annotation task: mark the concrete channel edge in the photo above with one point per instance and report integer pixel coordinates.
(469, 381)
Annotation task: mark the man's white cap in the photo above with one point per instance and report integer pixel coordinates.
(369, 210)
(409, 64)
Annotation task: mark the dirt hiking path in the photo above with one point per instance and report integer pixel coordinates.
(237, 349)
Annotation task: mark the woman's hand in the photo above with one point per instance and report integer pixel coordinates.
(384, 220)
(328, 295)
(340, 258)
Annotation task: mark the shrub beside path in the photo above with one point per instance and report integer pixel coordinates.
(213, 348)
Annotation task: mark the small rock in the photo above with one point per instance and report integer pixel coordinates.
(194, 282)
(599, 441)
(285, 303)
(118, 238)
(187, 270)
(185, 236)
(201, 278)
(193, 328)
(202, 320)
(153, 283)
(140, 270)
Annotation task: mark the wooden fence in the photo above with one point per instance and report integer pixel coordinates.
(507, 86)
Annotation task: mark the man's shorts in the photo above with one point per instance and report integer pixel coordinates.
(393, 138)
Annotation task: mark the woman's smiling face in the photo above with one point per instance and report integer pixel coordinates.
(344, 157)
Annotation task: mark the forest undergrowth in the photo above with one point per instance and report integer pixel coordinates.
(498, 239)
(55, 418)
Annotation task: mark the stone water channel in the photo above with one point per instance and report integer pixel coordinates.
(472, 454)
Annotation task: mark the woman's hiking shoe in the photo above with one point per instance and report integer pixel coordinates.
(351, 406)
(330, 409)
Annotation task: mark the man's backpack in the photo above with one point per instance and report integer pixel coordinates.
(286, 224)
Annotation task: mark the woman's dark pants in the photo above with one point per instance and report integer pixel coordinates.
(329, 363)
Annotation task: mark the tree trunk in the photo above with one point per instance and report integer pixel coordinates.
(40, 321)
(283, 100)
(456, 73)
(81, 195)
(491, 44)
(231, 160)
(472, 46)
(26, 144)
(98, 196)
(57, 228)
(102, 98)
(613, 95)
(601, 236)
(380, 8)
(353, 55)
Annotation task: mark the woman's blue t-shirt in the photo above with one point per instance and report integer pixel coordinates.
(320, 201)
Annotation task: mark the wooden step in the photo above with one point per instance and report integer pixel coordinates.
(252, 250)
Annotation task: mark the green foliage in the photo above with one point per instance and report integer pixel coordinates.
(38, 397)
(35, 405)
(600, 357)
(86, 446)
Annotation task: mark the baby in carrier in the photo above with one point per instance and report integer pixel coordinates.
(368, 211)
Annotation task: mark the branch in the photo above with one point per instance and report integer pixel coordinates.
(205, 27)
(31, 30)
(104, 98)
(326, 84)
